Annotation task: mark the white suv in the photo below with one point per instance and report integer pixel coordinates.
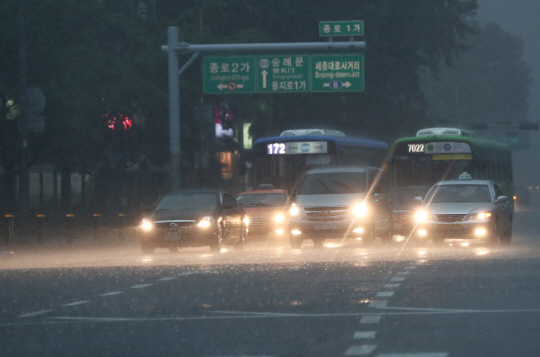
(341, 202)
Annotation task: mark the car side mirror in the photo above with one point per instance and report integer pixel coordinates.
(418, 199)
(501, 199)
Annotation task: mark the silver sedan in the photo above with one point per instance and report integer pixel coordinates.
(464, 209)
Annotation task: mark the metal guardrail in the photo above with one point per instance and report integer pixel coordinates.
(55, 228)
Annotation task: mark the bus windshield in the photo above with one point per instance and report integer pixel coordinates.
(424, 171)
(332, 183)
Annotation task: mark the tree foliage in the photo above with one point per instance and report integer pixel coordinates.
(91, 57)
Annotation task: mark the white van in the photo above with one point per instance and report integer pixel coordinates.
(341, 202)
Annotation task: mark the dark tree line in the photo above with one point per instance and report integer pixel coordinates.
(92, 57)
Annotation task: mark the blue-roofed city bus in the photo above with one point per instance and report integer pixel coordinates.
(436, 154)
(281, 160)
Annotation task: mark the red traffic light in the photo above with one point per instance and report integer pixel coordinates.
(119, 122)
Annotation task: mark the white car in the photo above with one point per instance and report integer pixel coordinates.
(464, 209)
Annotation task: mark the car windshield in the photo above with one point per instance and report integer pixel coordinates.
(459, 193)
(262, 200)
(333, 183)
(188, 201)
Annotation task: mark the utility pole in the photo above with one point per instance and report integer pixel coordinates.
(24, 180)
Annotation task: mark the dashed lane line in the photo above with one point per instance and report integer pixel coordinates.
(364, 334)
(378, 304)
(362, 350)
(392, 285)
(370, 319)
(75, 303)
(112, 293)
(429, 354)
(36, 313)
(140, 286)
(168, 278)
(385, 294)
(397, 279)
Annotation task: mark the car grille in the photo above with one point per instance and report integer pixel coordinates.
(326, 213)
(449, 217)
(401, 215)
(258, 221)
(176, 226)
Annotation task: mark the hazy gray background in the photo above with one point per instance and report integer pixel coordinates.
(522, 18)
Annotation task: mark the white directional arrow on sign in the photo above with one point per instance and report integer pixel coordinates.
(264, 74)
(347, 84)
(222, 86)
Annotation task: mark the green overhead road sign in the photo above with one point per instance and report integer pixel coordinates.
(341, 28)
(229, 74)
(337, 73)
(283, 74)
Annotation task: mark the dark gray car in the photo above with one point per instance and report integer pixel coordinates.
(193, 218)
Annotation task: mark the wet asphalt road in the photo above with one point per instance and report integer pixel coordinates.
(461, 299)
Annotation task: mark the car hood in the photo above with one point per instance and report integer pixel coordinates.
(329, 200)
(262, 211)
(458, 207)
(168, 215)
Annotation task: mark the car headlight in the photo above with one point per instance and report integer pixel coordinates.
(479, 216)
(360, 210)
(421, 216)
(146, 225)
(294, 211)
(246, 220)
(279, 218)
(206, 222)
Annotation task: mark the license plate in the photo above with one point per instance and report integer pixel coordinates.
(320, 226)
(172, 236)
(452, 227)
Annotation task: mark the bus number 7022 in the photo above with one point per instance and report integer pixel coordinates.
(416, 147)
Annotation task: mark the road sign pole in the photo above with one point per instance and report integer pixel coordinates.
(174, 110)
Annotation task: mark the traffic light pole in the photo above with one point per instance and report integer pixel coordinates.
(175, 48)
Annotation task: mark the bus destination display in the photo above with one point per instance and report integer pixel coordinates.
(299, 147)
(448, 147)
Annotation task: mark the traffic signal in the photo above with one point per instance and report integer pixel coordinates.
(118, 122)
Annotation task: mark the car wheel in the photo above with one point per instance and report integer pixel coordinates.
(369, 238)
(438, 241)
(318, 242)
(420, 242)
(506, 238)
(387, 236)
(216, 240)
(296, 242)
(243, 240)
(147, 247)
(494, 237)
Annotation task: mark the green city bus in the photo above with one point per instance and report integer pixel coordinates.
(437, 154)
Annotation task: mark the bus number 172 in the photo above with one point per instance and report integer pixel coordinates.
(276, 148)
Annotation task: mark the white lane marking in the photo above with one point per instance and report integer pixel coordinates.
(392, 285)
(187, 273)
(403, 273)
(95, 319)
(75, 303)
(255, 313)
(370, 319)
(140, 286)
(112, 293)
(364, 334)
(397, 279)
(36, 313)
(378, 304)
(410, 267)
(428, 354)
(363, 350)
(385, 294)
(168, 278)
